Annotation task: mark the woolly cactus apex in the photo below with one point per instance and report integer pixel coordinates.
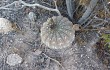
(57, 32)
(5, 26)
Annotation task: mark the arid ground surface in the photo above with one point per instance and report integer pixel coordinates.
(87, 51)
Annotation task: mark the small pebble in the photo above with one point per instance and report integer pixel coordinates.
(13, 59)
(5, 26)
(32, 16)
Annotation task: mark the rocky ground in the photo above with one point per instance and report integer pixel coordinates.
(22, 49)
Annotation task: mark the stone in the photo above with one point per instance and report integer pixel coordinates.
(5, 26)
(13, 59)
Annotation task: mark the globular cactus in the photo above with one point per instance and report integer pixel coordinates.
(57, 32)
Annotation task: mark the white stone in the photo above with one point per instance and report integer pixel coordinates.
(31, 16)
(5, 26)
(38, 52)
(13, 59)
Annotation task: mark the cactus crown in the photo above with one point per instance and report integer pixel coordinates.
(57, 32)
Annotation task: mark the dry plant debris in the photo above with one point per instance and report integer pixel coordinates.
(84, 2)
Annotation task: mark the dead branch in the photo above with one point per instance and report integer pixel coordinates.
(5, 7)
(41, 6)
(54, 60)
(32, 5)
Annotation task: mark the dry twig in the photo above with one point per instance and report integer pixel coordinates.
(54, 60)
(41, 6)
(5, 7)
(33, 5)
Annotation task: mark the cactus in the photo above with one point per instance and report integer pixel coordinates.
(57, 32)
